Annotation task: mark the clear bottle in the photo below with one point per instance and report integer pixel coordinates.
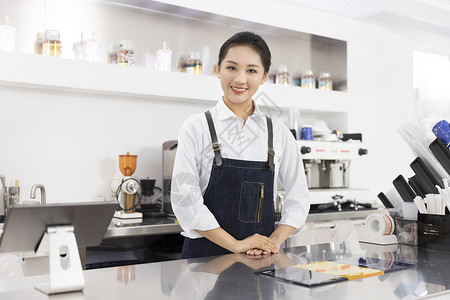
(112, 54)
(194, 63)
(163, 60)
(182, 63)
(7, 36)
(91, 48)
(125, 55)
(325, 82)
(308, 80)
(51, 45)
(282, 77)
(78, 49)
(40, 37)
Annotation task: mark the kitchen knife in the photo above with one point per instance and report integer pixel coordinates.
(427, 179)
(442, 153)
(404, 189)
(385, 200)
(415, 184)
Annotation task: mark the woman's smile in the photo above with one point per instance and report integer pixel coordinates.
(238, 90)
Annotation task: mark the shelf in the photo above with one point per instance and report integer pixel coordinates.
(57, 74)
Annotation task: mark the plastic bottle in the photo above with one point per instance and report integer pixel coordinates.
(163, 60)
(282, 77)
(325, 82)
(7, 36)
(78, 49)
(40, 37)
(308, 80)
(182, 63)
(51, 45)
(112, 54)
(91, 48)
(125, 55)
(194, 63)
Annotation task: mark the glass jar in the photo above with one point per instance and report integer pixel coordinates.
(282, 77)
(325, 82)
(308, 80)
(163, 60)
(182, 63)
(7, 36)
(125, 55)
(51, 45)
(112, 54)
(78, 49)
(91, 48)
(40, 37)
(194, 63)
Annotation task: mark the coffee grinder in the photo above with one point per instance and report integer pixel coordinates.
(127, 188)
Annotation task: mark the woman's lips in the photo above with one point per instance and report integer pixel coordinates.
(238, 90)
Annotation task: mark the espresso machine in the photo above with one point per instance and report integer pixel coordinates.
(127, 189)
(327, 164)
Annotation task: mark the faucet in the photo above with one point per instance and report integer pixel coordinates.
(5, 193)
(33, 192)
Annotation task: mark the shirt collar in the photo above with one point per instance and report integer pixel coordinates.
(223, 112)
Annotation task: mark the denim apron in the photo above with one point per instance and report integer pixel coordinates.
(239, 195)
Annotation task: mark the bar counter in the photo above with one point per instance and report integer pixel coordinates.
(167, 225)
(232, 277)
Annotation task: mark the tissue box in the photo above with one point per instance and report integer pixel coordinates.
(434, 231)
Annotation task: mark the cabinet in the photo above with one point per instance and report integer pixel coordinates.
(148, 24)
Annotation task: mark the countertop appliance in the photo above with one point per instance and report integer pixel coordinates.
(327, 164)
(126, 189)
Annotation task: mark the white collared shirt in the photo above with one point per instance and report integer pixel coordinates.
(194, 159)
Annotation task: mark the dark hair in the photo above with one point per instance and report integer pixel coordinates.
(248, 39)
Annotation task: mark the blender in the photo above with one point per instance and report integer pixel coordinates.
(126, 189)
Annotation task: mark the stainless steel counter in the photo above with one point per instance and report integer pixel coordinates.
(139, 227)
(232, 277)
(165, 225)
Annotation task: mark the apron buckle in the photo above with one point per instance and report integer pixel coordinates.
(216, 146)
(271, 152)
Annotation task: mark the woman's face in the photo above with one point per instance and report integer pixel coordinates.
(241, 73)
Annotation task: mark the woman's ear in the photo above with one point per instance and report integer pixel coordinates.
(218, 71)
(264, 78)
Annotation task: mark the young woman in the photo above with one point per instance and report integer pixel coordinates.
(229, 160)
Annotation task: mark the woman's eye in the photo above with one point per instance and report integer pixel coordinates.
(252, 71)
(231, 68)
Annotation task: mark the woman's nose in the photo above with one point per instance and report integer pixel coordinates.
(240, 78)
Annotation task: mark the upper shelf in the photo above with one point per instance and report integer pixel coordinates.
(57, 74)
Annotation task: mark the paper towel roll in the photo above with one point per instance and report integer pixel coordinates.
(379, 224)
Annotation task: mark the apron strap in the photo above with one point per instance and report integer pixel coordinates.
(215, 142)
(216, 145)
(270, 159)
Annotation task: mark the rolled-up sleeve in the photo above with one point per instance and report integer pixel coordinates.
(186, 196)
(292, 178)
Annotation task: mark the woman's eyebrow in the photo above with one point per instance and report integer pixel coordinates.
(250, 65)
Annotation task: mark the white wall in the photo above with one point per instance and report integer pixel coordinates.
(70, 142)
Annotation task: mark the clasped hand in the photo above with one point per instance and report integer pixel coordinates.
(257, 244)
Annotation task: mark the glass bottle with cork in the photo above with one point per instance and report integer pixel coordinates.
(51, 46)
(282, 77)
(308, 80)
(194, 63)
(325, 82)
(182, 63)
(40, 38)
(125, 55)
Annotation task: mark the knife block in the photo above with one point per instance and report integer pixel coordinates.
(434, 231)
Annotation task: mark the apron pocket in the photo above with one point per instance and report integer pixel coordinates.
(251, 201)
